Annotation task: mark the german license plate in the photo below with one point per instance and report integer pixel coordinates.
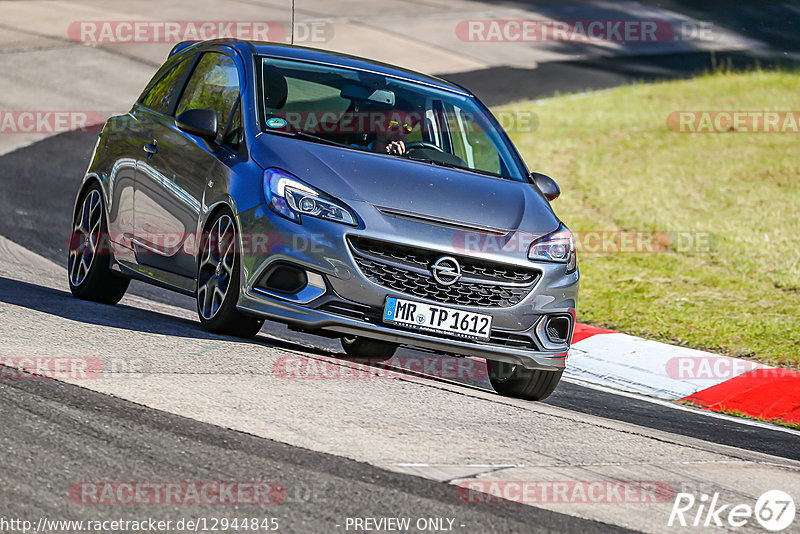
(439, 319)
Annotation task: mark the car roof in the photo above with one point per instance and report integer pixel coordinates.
(302, 53)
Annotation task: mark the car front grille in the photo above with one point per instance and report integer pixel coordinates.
(406, 270)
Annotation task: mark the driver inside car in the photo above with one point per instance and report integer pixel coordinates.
(390, 137)
(392, 140)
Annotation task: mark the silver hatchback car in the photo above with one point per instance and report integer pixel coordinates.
(342, 197)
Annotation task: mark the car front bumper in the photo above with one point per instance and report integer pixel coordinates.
(341, 300)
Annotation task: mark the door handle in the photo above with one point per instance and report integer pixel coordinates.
(151, 148)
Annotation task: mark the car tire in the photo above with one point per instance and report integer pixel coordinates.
(218, 275)
(89, 253)
(512, 380)
(369, 349)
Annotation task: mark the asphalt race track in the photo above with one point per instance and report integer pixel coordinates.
(55, 434)
(28, 172)
(62, 431)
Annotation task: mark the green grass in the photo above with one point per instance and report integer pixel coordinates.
(621, 168)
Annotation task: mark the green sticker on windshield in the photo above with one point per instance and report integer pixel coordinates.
(276, 122)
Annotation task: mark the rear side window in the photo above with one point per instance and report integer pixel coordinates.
(161, 95)
(214, 85)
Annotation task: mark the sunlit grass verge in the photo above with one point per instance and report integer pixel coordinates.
(621, 168)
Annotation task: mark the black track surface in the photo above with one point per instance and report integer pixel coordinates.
(776, 25)
(45, 198)
(53, 435)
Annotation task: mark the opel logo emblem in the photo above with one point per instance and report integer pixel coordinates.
(446, 271)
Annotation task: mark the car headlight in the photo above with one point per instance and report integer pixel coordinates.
(289, 197)
(558, 247)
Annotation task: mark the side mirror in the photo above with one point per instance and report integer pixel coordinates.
(546, 185)
(200, 122)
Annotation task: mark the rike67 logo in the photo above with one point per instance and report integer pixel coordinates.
(774, 511)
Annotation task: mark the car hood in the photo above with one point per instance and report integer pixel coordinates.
(404, 185)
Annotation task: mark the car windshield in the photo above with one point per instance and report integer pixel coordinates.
(367, 111)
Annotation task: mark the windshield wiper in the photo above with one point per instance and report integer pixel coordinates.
(308, 137)
(315, 138)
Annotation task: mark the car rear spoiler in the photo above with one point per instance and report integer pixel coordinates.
(180, 47)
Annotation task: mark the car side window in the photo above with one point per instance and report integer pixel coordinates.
(214, 85)
(471, 142)
(162, 93)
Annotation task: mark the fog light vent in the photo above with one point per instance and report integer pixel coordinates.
(558, 329)
(555, 331)
(284, 279)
